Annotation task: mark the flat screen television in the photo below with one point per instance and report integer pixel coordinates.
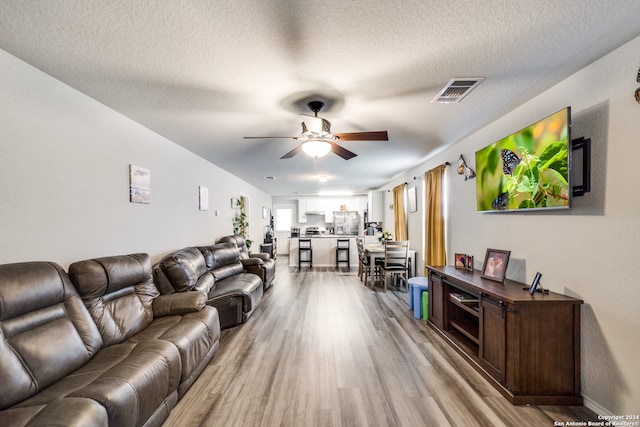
(527, 170)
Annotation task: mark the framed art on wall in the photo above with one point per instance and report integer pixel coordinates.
(139, 185)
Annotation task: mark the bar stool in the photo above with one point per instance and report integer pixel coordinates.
(304, 247)
(342, 248)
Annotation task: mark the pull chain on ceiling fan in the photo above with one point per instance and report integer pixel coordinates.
(317, 139)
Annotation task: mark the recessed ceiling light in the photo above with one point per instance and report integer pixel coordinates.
(322, 178)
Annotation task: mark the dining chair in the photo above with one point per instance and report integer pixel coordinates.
(395, 261)
(360, 247)
(366, 270)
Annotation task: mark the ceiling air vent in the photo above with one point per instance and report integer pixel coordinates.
(457, 89)
(269, 178)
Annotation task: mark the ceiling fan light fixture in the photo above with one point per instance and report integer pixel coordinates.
(316, 148)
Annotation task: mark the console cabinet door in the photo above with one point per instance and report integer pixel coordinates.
(493, 338)
(436, 300)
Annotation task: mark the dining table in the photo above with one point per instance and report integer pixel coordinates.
(376, 250)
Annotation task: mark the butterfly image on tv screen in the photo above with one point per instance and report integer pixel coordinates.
(500, 202)
(464, 169)
(509, 161)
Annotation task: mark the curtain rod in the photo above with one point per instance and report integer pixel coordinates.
(421, 177)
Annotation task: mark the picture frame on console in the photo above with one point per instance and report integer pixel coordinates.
(470, 262)
(460, 261)
(495, 264)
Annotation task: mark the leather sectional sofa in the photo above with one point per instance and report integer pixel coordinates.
(233, 284)
(98, 346)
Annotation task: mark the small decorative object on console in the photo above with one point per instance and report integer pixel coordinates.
(495, 264)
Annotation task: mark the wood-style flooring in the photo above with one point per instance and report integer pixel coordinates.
(321, 349)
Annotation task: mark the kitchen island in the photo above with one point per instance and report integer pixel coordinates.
(324, 250)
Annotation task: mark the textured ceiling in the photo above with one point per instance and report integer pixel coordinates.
(206, 73)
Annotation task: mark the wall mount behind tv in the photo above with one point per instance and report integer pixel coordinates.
(583, 144)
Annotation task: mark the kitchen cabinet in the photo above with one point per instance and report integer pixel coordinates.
(302, 211)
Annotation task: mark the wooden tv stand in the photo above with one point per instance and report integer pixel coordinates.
(527, 346)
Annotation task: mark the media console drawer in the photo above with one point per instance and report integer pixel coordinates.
(527, 346)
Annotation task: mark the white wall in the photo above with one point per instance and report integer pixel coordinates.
(64, 162)
(588, 252)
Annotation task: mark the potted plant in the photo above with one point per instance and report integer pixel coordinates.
(384, 236)
(240, 223)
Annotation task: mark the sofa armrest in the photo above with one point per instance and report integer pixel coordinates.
(261, 255)
(247, 262)
(178, 303)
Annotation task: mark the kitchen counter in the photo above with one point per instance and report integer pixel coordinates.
(324, 250)
(326, 236)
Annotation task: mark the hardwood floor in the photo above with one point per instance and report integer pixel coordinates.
(323, 350)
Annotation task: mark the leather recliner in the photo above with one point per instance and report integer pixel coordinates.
(215, 271)
(259, 263)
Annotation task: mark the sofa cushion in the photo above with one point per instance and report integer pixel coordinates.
(239, 242)
(185, 270)
(196, 336)
(118, 292)
(246, 285)
(45, 330)
(131, 380)
(65, 412)
(222, 260)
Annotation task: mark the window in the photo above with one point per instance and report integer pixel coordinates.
(283, 219)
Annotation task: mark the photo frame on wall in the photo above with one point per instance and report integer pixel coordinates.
(495, 264)
(139, 185)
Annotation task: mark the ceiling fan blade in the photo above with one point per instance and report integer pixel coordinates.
(363, 136)
(271, 137)
(342, 152)
(292, 153)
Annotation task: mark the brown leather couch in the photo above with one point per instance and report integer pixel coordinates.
(108, 351)
(217, 272)
(259, 263)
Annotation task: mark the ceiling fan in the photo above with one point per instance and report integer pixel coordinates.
(317, 139)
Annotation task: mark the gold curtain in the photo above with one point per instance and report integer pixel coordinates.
(435, 251)
(399, 212)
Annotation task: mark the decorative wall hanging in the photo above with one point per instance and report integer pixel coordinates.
(637, 93)
(139, 185)
(465, 170)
